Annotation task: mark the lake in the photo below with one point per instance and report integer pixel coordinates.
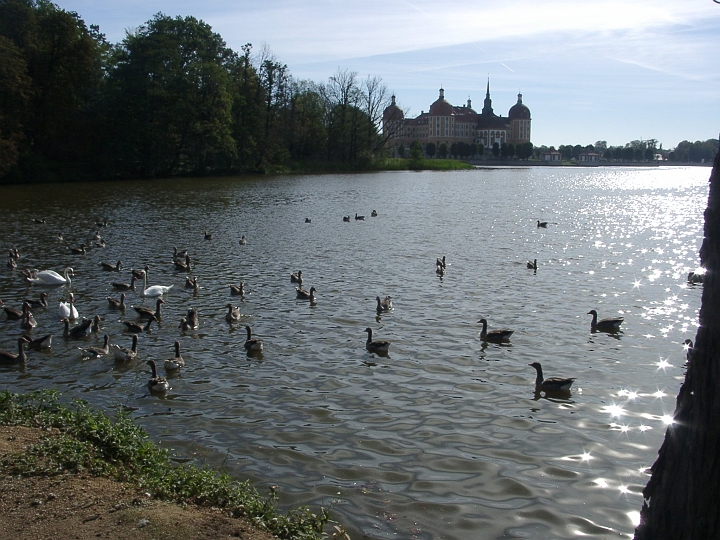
(443, 438)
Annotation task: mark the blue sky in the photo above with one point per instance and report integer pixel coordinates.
(588, 70)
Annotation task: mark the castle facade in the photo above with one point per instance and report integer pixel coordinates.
(446, 123)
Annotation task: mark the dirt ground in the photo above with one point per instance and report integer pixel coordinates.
(68, 507)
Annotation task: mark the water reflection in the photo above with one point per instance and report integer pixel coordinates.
(445, 436)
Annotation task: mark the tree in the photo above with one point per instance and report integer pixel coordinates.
(510, 149)
(480, 149)
(649, 154)
(416, 151)
(524, 150)
(430, 149)
(682, 497)
(401, 151)
(504, 150)
(628, 153)
(443, 150)
(608, 154)
(495, 149)
(600, 146)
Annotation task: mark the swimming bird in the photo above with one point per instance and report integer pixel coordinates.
(494, 336)
(39, 221)
(50, 277)
(11, 264)
(78, 250)
(96, 352)
(611, 324)
(359, 218)
(439, 269)
(695, 278)
(542, 224)
(27, 322)
(251, 344)
(149, 313)
(183, 265)
(44, 342)
(41, 303)
(553, 384)
(155, 290)
(117, 304)
(378, 347)
(110, 267)
(176, 362)
(302, 294)
(76, 332)
(192, 283)
(95, 326)
(308, 220)
(296, 278)
(179, 253)
(243, 240)
(99, 243)
(440, 262)
(383, 305)
(67, 309)
(193, 318)
(119, 286)
(208, 236)
(532, 265)
(373, 213)
(238, 291)
(184, 326)
(346, 218)
(123, 354)
(7, 358)
(103, 223)
(136, 328)
(233, 314)
(158, 385)
(12, 313)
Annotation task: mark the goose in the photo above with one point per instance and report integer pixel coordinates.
(233, 314)
(695, 278)
(119, 286)
(302, 294)
(308, 220)
(192, 318)
(359, 218)
(494, 336)
(14, 253)
(373, 213)
(532, 265)
(238, 291)
(11, 264)
(542, 224)
(296, 278)
(383, 305)
(41, 303)
(67, 309)
(191, 283)
(252, 344)
(44, 342)
(28, 322)
(123, 354)
(158, 385)
(13, 314)
(378, 347)
(175, 363)
(611, 324)
(78, 250)
(346, 218)
(97, 236)
(39, 221)
(179, 253)
(243, 240)
(10, 358)
(184, 326)
(148, 313)
(439, 269)
(208, 236)
(117, 304)
(96, 352)
(183, 265)
(103, 223)
(688, 344)
(136, 328)
(553, 384)
(138, 273)
(155, 290)
(50, 277)
(76, 332)
(95, 326)
(111, 268)
(440, 262)
(100, 243)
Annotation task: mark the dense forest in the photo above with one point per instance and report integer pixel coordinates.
(170, 99)
(173, 100)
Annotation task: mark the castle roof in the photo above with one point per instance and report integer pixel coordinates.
(519, 111)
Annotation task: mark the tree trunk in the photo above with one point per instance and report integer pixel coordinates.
(682, 498)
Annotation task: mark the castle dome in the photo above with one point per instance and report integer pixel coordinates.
(441, 107)
(393, 112)
(519, 111)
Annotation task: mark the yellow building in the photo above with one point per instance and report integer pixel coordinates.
(445, 123)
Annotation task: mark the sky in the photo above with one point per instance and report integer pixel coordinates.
(588, 70)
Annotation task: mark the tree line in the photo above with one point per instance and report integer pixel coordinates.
(170, 99)
(639, 150)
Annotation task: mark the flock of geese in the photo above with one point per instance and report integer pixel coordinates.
(68, 314)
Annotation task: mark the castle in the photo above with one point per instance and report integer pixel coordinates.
(445, 123)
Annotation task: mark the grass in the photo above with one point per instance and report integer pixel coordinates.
(118, 449)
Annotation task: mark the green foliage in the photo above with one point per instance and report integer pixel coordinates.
(430, 149)
(91, 441)
(443, 150)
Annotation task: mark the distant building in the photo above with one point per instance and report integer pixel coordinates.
(446, 123)
(552, 156)
(588, 158)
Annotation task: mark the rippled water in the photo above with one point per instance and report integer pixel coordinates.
(443, 438)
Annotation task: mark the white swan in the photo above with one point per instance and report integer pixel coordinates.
(155, 290)
(50, 277)
(67, 309)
